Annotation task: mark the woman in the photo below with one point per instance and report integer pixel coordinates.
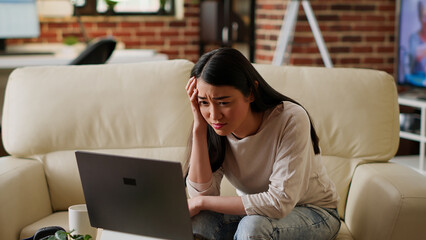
(266, 146)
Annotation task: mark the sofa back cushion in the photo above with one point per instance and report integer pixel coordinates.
(116, 106)
(138, 109)
(355, 113)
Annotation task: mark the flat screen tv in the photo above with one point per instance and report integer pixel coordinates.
(18, 19)
(411, 35)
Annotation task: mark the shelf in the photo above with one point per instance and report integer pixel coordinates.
(412, 102)
(412, 136)
(421, 138)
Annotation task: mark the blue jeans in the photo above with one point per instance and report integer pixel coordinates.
(303, 222)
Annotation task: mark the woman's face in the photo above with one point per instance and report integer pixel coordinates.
(225, 108)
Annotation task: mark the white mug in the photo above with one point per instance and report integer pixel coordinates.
(79, 221)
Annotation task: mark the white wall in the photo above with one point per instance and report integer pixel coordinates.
(54, 8)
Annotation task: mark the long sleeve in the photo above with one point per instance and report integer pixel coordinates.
(211, 188)
(290, 174)
(277, 169)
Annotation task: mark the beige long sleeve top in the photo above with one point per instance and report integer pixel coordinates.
(275, 169)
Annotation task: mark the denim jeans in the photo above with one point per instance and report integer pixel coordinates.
(303, 222)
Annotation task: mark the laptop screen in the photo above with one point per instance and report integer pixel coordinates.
(135, 195)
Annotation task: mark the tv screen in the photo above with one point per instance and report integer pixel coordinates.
(412, 43)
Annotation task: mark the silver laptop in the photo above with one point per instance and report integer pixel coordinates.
(136, 196)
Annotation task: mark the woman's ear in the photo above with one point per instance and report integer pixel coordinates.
(256, 84)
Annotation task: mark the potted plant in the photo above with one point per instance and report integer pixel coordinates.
(162, 8)
(62, 235)
(111, 4)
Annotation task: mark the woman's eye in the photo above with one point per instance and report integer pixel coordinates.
(223, 103)
(202, 102)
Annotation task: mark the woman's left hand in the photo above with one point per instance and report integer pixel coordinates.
(194, 205)
(226, 205)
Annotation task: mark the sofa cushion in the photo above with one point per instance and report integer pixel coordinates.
(386, 201)
(344, 233)
(64, 180)
(24, 195)
(355, 113)
(114, 106)
(127, 109)
(340, 171)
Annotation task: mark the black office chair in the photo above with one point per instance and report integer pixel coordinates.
(96, 53)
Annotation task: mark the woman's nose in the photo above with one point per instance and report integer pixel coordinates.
(215, 113)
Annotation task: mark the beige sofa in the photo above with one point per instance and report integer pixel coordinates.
(142, 109)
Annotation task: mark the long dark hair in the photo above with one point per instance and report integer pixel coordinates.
(227, 66)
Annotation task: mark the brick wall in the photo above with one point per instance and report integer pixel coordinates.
(358, 33)
(177, 38)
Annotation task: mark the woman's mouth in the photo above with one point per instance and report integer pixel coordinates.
(218, 125)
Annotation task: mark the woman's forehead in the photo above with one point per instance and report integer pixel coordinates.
(206, 89)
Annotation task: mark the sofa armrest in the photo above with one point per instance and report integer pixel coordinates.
(386, 201)
(24, 196)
